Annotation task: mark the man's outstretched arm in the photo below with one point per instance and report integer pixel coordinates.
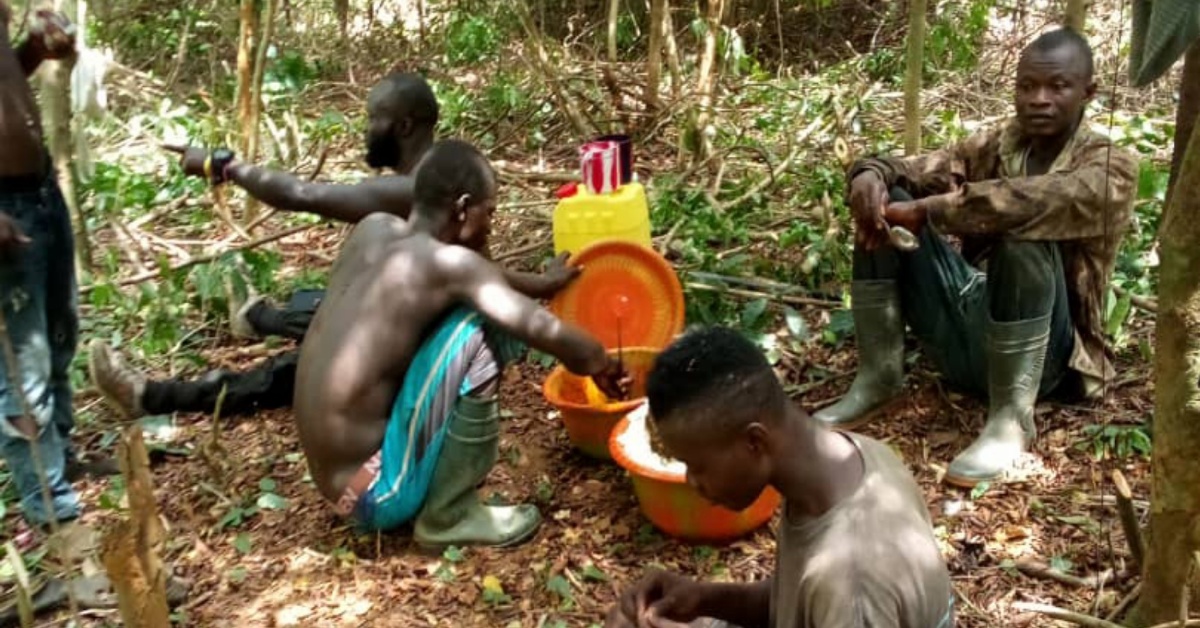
(392, 194)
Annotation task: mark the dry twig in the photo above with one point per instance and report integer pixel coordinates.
(1129, 519)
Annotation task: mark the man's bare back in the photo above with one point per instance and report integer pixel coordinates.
(361, 342)
(390, 284)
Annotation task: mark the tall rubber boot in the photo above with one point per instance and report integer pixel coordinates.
(1016, 354)
(879, 330)
(452, 514)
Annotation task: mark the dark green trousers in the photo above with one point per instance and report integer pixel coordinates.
(947, 302)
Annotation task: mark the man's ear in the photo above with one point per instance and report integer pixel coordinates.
(405, 126)
(1089, 92)
(757, 438)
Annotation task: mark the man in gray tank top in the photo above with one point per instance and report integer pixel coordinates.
(855, 544)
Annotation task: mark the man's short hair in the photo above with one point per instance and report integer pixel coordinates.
(719, 371)
(413, 96)
(1066, 37)
(450, 170)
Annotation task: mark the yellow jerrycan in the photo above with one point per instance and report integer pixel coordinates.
(584, 218)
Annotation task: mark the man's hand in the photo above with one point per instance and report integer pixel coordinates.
(559, 275)
(51, 36)
(911, 215)
(868, 197)
(198, 162)
(12, 239)
(659, 600)
(613, 380)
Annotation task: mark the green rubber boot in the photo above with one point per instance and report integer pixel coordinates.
(452, 514)
(879, 331)
(1016, 354)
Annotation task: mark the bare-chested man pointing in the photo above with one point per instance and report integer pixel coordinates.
(396, 388)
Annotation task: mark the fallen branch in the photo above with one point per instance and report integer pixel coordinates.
(797, 389)
(549, 177)
(520, 250)
(1138, 301)
(1038, 569)
(204, 259)
(1129, 519)
(1125, 603)
(754, 294)
(665, 244)
(1065, 615)
(1080, 619)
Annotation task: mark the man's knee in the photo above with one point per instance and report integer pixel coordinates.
(1033, 263)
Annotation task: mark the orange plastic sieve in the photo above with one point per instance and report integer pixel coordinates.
(627, 285)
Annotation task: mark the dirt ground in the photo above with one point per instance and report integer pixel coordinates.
(302, 566)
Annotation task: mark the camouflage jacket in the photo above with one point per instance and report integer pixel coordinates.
(1084, 202)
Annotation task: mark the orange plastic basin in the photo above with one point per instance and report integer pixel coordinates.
(589, 425)
(674, 507)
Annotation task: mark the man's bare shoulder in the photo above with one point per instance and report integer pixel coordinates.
(458, 265)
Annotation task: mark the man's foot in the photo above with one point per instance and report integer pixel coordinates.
(487, 526)
(879, 329)
(121, 386)
(239, 309)
(98, 468)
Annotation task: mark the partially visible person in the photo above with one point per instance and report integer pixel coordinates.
(855, 546)
(402, 113)
(397, 386)
(37, 286)
(1041, 203)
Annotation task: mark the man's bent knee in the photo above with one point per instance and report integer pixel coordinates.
(1025, 260)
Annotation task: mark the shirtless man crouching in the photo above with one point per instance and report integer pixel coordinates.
(396, 389)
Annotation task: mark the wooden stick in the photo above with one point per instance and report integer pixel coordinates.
(131, 549)
(520, 250)
(206, 258)
(1065, 615)
(1145, 303)
(1129, 519)
(1125, 603)
(752, 294)
(1038, 569)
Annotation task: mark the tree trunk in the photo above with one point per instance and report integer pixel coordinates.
(654, 53)
(914, 62)
(614, 14)
(706, 84)
(1188, 110)
(1076, 15)
(342, 9)
(55, 78)
(672, 52)
(1174, 530)
(260, 62)
(245, 70)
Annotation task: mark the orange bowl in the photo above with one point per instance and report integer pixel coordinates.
(674, 507)
(589, 425)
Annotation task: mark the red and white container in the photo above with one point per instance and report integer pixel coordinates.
(601, 166)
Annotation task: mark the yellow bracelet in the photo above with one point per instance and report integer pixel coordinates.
(208, 168)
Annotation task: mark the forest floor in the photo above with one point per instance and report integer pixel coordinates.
(299, 565)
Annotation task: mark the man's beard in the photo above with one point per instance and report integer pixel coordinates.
(382, 152)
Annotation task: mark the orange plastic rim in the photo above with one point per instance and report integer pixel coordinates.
(679, 510)
(627, 285)
(589, 426)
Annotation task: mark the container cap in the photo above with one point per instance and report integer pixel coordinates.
(627, 295)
